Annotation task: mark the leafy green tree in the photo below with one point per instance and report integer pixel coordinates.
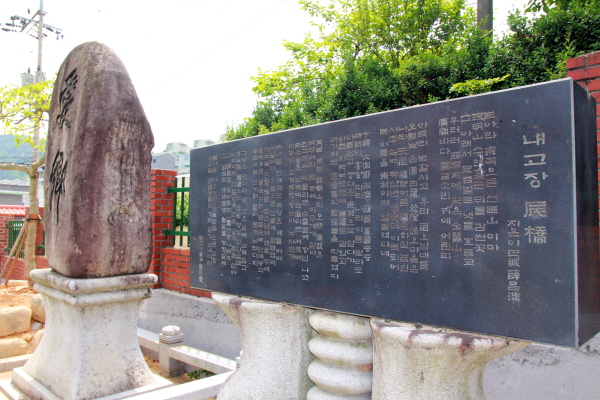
(23, 108)
(374, 55)
(538, 48)
(546, 5)
(22, 113)
(390, 30)
(348, 67)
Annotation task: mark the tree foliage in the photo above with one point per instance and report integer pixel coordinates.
(22, 111)
(375, 55)
(565, 5)
(22, 108)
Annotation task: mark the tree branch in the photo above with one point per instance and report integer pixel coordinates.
(38, 163)
(15, 167)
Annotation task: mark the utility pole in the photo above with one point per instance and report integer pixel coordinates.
(29, 25)
(21, 24)
(485, 9)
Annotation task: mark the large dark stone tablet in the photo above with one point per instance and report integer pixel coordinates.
(479, 213)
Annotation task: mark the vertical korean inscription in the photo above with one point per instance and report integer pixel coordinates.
(267, 208)
(404, 190)
(351, 205)
(528, 230)
(59, 164)
(305, 205)
(468, 191)
(207, 249)
(234, 218)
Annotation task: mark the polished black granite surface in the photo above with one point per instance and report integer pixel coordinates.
(477, 213)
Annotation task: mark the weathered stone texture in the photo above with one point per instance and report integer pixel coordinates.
(37, 338)
(97, 179)
(14, 320)
(12, 347)
(37, 308)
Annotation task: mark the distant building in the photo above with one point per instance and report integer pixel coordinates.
(181, 155)
(163, 161)
(15, 192)
(177, 147)
(202, 143)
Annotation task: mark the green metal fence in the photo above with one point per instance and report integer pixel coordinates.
(14, 227)
(181, 212)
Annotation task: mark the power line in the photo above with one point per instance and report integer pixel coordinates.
(20, 24)
(16, 160)
(217, 46)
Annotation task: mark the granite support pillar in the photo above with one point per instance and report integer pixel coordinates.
(417, 362)
(275, 349)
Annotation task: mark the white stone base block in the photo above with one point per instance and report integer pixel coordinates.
(36, 391)
(432, 363)
(275, 350)
(89, 349)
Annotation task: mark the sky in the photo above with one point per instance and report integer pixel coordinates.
(189, 60)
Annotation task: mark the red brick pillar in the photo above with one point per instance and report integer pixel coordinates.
(585, 70)
(161, 209)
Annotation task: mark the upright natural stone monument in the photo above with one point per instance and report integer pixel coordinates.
(97, 169)
(97, 226)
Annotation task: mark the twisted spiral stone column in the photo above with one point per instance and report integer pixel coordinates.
(344, 357)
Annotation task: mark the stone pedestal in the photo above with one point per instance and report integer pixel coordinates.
(421, 362)
(90, 348)
(275, 344)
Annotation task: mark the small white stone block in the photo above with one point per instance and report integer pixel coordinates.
(36, 326)
(170, 336)
(195, 390)
(12, 347)
(37, 308)
(8, 364)
(171, 330)
(38, 391)
(14, 320)
(202, 359)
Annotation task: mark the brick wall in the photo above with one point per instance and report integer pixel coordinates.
(172, 265)
(19, 271)
(10, 213)
(161, 209)
(175, 273)
(585, 70)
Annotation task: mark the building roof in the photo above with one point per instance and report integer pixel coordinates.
(15, 182)
(19, 211)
